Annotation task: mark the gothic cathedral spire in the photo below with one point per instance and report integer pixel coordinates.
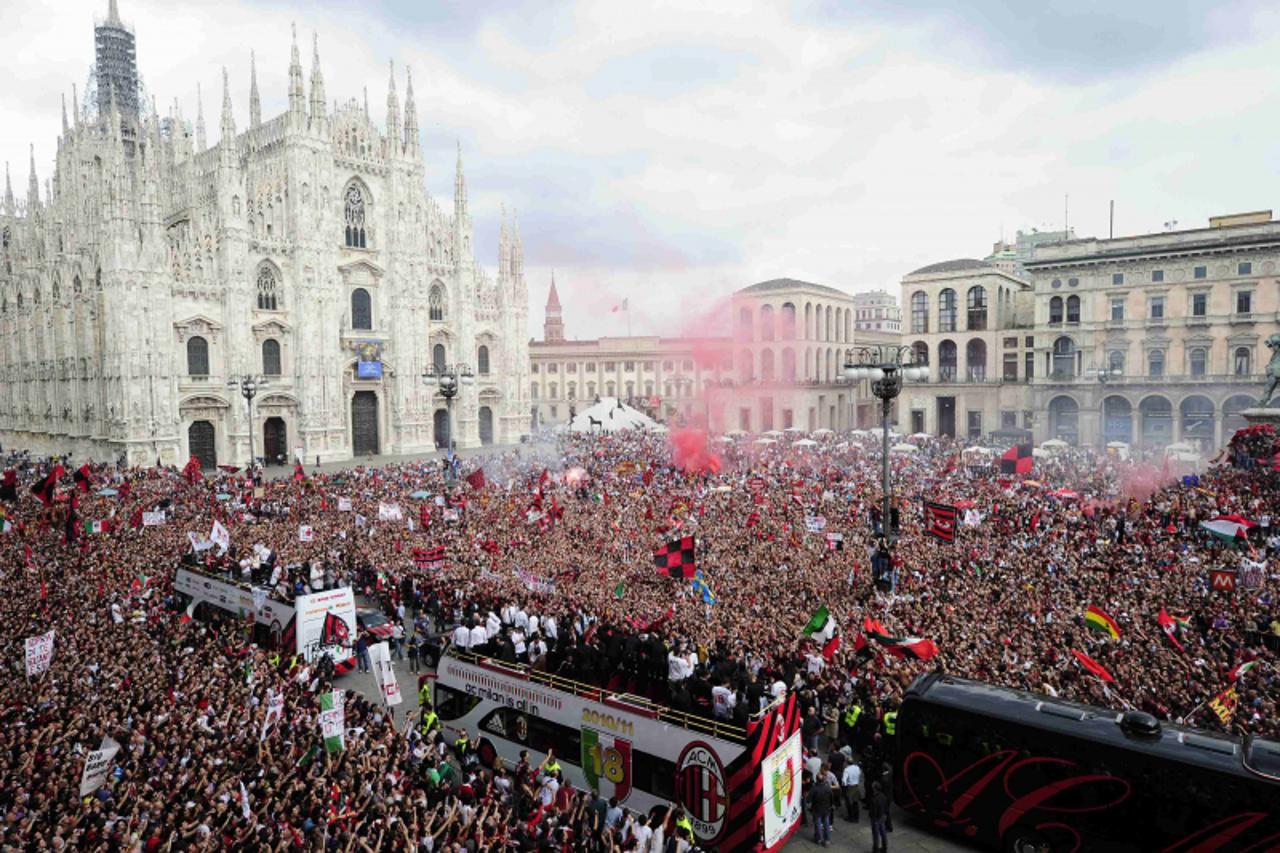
(227, 144)
(297, 96)
(393, 114)
(255, 102)
(410, 117)
(9, 206)
(200, 133)
(317, 81)
(33, 184)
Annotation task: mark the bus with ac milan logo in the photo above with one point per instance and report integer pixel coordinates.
(739, 786)
(317, 624)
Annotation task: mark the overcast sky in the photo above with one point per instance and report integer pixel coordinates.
(672, 155)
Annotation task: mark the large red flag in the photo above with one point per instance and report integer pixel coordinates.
(1093, 666)
(476, 479)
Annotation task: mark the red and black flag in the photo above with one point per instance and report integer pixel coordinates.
(1017, 460)
(72, 525)
(83, 477)
(424, 516)
(677, 558)
(940, 521)
(336, 631)
(862, 652)
(916, 648)
(429, 558)
(476, 479)
(44, 488)
(191, 471)
(9, 486)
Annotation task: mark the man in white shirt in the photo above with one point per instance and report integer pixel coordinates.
(850, 785)
(522, 619)
(677, 667)
(478, 636)
(517, 641)
(462, 637)
(722, 702)
(549, 627)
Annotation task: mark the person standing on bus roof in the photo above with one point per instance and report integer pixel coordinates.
(478, 636)
(462, 637)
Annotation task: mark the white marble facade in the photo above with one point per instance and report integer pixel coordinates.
(153, 267)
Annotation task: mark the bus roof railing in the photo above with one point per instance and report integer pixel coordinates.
(622, 701)
(231, 580)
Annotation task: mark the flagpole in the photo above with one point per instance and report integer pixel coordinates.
(627, 308)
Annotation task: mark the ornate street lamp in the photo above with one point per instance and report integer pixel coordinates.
(448, 380)
(249, 386)
(887, 367)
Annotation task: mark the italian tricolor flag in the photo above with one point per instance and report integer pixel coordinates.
(332, 720)
(101, 526)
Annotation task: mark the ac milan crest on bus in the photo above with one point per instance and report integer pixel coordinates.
(700, 787)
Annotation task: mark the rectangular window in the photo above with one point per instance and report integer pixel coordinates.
(1031, 341)
(591, 367)
(1008, 420)
(975, 424)
(1157, 308)
(1157, 275)
(687, 364)
(1244, 268)
(1028, 418)
(668, 366)
(1010, 367)
(1199, 304)
(1117, 310)
(1201, 272)
(571, 367)
(744, 420)
(1244, 301)
(555, 413)
(1010, 343)
(1117, 278)
(611, 365)
(534, 368)
(1029, 368)
(553, 368)
(629, 366)
(648, 367)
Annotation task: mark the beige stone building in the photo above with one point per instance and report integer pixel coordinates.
(1157, 338)
(663, 377)
(969, 320)
(790, 339)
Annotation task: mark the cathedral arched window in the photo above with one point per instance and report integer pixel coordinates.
(361, 309)
(35, 296)
(268, 288)
(435, 302)
(482, 360)
(75, 286)
(57, 290)
(438, 358)
(353, 216)
(197, 356)
(97, 279)
(271, 357)
(6, 237)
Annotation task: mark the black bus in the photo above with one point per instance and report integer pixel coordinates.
(1035, 774)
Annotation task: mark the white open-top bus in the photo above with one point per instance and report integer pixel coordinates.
(739, 785)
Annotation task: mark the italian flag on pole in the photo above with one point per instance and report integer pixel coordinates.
(101, 526)
(332, 720)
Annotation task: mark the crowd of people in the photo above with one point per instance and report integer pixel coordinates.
(547, 559)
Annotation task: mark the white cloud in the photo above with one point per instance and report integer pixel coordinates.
(674, 154)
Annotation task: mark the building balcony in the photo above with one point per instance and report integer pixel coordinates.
(210, 382)
(1167, 378)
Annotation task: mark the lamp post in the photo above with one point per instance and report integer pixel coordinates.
(249, 386)
(448, 380)
(1103, 375)
(887, 367)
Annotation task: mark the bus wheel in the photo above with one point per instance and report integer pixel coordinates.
(1023, 839)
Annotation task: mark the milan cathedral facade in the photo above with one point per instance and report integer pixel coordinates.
(153, 269)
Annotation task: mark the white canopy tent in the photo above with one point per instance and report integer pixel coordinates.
(610, 415)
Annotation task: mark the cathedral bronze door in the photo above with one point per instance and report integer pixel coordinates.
(200, 442)
(275, 441)
(364, 423)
